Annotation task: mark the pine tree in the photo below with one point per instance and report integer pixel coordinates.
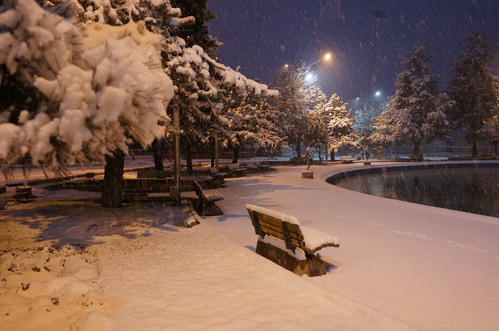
(472, 87)
(492, 124)
(90, 96)
(297, 96)
(251, 124)
(365, 114)
(316, 133)
(414, 98)
(197, 33)
(385, 130)
(340, 125)
(203, 84)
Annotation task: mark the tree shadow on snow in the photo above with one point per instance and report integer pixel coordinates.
(85, 222)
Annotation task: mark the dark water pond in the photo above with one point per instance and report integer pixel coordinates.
(469, 189)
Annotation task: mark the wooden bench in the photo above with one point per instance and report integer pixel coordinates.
(235, 170)
(262, 166)
(218, 177)
(206, 201)
(284, 241)
(139, 189)
(258, 166)
(346, 159)
(153, 173)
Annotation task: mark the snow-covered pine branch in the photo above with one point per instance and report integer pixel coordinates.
(94, 99)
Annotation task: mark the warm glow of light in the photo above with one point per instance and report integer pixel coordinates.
(309, 76)
(328, 56)
(286, 66)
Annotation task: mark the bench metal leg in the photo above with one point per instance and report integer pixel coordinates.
(208, 209)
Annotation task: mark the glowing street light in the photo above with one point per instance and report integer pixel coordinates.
(378, 93)
(328, 56)
(309, 76)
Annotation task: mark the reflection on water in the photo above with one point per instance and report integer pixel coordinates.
(474, 190)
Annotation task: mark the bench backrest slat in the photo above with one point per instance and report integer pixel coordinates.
(279, 234)
(276, 225)
(267, 225)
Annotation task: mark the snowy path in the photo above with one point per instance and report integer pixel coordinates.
(431, 267)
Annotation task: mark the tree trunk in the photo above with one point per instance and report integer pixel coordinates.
(188, 157)
(113, 180)
(495, 148)
(415, 148)
(157, 153)
(332, 155)
(212, 151)
(235, 150)
(474, 153)
(298, 148)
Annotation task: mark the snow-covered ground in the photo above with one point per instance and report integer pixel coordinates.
(75, 265)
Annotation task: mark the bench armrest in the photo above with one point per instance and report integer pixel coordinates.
(316, 239)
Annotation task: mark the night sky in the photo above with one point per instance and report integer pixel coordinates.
(366, 37)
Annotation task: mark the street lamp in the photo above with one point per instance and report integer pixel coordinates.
(328, 56)
(177, 131)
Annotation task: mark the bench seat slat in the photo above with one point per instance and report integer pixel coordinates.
(212, 195)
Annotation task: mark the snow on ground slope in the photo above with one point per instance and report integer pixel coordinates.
(199, 280)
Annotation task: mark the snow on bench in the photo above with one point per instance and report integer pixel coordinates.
(346, 159)
(283, 240)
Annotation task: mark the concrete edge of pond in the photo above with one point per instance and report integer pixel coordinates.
(378, 167)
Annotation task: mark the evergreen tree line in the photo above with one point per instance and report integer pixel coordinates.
(418, 114)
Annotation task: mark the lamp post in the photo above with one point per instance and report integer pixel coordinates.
(177, 132)
(327, 57)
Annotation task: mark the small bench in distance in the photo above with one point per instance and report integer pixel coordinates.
(235, 170)
(346, 159)
(206, 201)
(218, 177)
(284, 241)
